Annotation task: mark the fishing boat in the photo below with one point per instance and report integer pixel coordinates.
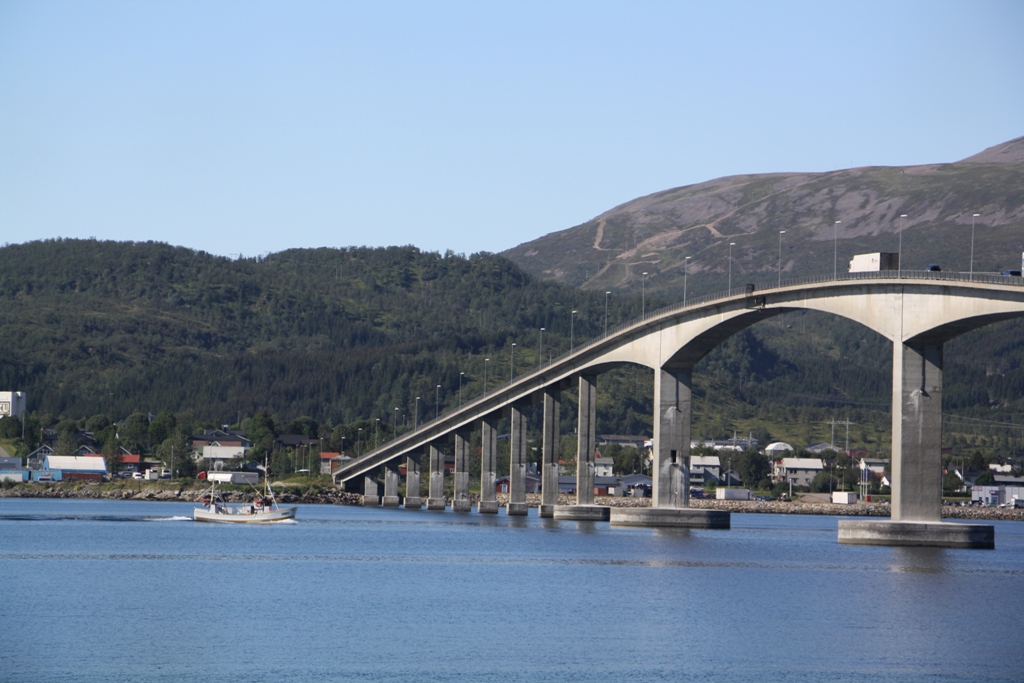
(263, 509)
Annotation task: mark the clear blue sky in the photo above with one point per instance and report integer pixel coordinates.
(248, 127)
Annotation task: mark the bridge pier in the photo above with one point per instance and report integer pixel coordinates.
(390, 499)
(488, 464)
(460, 496)
(413, 501)
(549, 456)
(517, 463)
(371, 491)
(916, 511)
(584, 509)
(435, 500)
(670, 502)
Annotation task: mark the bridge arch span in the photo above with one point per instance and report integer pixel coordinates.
(917, 312)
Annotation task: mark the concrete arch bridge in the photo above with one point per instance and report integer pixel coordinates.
(917, 311)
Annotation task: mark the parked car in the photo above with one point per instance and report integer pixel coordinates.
(933, 268)
(1010, 273)
(138, 475)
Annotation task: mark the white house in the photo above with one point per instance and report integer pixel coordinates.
(12, 403)
(704, 466)
(798, 471)
(218, 455)
(603, 467)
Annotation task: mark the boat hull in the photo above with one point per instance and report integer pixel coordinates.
(241, 516)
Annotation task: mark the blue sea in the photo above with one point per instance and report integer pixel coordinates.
(136, 591)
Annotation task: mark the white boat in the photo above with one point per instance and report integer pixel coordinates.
(263, 509)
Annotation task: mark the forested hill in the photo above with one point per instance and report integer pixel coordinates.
(345, 336)
(92, 327)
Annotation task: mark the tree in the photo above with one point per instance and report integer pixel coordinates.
(66, 444)
(823, 482)
(161, 427)
(134, 432)
(986, 478)
(176, 454)
(752, 467)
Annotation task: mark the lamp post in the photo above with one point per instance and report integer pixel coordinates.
(376, 435)
(437, 401)
(835, 250)
(899, 256)
(359, 442)
(486, 361)
(394, 424)
(781, 233)
(572, 330)
(972, 245)
(540, 349)
(643, 295)
(416, 415)
(512, 364)
(461, 375)
(686, 266)
(606, 313)
(731, 245)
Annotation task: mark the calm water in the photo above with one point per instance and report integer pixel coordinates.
(136, 591)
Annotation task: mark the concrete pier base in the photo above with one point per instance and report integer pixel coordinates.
(487, 507)
(583, 513)
(518, 509)
(412, 503)
(688, 518)
(462, 505)
(390, 501)
(934, 534)
(436, 504)
(546, 511)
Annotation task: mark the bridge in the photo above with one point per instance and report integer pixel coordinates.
(917, 311)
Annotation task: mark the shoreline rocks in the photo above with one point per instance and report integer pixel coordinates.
(320, 495)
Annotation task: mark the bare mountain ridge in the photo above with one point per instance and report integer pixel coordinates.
(655, 233)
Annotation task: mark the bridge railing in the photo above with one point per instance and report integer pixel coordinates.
(699, 301)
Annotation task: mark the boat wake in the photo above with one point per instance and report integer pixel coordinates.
(91, 518)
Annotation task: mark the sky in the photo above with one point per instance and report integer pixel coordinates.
(243, 128)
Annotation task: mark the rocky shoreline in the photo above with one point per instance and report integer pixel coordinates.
(321, 495)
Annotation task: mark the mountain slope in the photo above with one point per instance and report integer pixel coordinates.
(655, 234)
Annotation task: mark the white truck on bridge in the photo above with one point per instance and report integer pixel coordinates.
(869, 263)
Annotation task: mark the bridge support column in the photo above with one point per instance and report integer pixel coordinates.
(670, 504)
(488, 464)
(517, 466)
(586, 425)
(390, 499)
(436, 501)
(916, 512)
(460, 497)
(549, 457)
(371, 491)
(412, 482)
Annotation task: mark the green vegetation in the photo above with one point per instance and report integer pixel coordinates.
(328, 342)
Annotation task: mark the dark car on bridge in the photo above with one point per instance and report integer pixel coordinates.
(933, 268)
(1011, 273)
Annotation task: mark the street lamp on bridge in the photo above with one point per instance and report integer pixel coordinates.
(461, 375)
(643, 295)
(781, 233)
(416, 415)
(686, 265)
(512, 364)
(835, 250)
(572, 329)
(486, 361)
(437, 401)
(540, 349)
(731, 245)
(972, 245)
(606, 294)
(899, 254)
